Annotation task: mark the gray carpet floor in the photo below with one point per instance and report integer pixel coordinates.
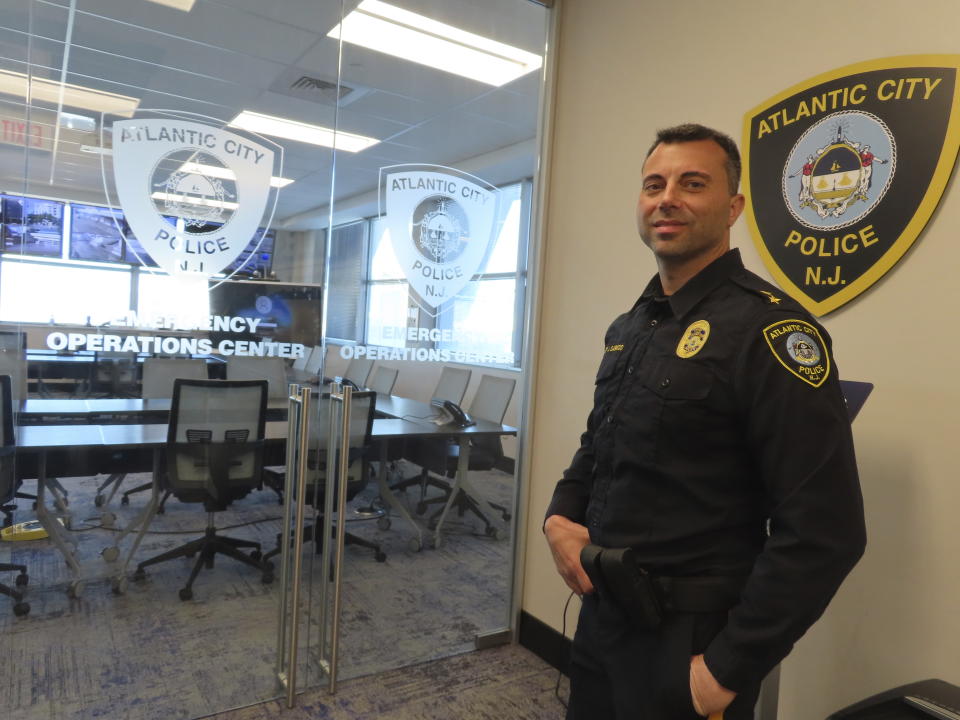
(146, 654)
(503, 683)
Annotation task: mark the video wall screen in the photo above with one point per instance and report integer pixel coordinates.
(97, 233)
(254, 261)
(287, 312)
(31, 226)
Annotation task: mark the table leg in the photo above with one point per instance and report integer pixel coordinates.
(463, 466)
(387, 494)
(55, 530)
(141, 523)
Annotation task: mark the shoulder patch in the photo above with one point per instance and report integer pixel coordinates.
(800, 348)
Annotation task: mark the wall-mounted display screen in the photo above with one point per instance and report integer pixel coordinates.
(32, 226)
(287, 313)
(254, 261)
(97, 233)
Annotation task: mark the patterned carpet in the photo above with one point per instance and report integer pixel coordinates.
(148, 655)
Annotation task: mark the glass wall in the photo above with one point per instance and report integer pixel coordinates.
(307, 190)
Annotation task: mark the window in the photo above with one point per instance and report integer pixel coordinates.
(484, 322)
(345, 297)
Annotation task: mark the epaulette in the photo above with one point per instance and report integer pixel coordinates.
(769, 293)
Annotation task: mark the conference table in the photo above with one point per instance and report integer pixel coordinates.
(62, 438)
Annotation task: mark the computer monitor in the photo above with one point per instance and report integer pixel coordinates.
(286, 312)
(32, 226)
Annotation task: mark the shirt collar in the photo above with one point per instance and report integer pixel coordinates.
(697, 287)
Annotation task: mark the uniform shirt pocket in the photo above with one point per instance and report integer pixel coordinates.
(680, 380)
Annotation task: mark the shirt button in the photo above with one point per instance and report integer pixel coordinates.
(653, 323)
(609, 419)
(630, 370)
(665, 383)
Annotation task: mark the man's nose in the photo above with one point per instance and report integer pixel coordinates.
(669, 197)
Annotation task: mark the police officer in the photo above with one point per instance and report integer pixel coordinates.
(718, 451)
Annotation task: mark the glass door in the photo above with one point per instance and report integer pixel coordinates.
(223, 190)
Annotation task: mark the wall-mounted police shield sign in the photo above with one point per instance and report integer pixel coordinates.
(194, 194)
(442, 224)
(842, 172)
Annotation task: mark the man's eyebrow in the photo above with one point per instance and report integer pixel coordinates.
(696, 174)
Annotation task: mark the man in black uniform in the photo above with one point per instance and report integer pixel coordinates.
(719, 452)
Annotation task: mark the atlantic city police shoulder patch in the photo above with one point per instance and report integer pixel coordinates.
(693, 338)
(800, 348)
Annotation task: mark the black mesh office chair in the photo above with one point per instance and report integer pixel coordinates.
(214, 455)
(489, 403)
(361, 424)
(8, 489)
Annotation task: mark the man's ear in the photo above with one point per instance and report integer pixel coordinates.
(737, 203)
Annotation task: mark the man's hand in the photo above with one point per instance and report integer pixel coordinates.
(710, 698)
(566, 539)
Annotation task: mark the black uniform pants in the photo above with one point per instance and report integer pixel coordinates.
(619, 672)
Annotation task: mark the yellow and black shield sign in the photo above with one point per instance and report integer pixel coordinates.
(842, 172)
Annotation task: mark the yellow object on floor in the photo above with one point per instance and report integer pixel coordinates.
(30, 530)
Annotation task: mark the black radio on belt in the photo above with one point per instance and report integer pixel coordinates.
(615, 574)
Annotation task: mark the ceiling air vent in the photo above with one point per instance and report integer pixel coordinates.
(323, 87)
(296, 82)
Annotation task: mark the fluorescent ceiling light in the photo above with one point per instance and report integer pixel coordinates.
(192, 200)
(14, 83)
(417, 38)
(185, 5)
(226, 173)
(293, 130)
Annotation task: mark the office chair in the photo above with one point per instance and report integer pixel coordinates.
(489, 403)
(158, 377)
(214, 455)
(8, 489)
(271, 369)
(115, 374)
(358, 370)
(384, 379)
(452, 385)
(361, 425)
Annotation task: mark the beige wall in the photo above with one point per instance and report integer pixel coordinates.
(627, 68)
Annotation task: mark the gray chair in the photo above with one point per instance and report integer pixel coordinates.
(384, 379)
(271, 369)
(8, 489)
(358, 371)
(452, 384)
(214, 455)
(158, 377)
(361, 425)
(489, 403)
(115, 374)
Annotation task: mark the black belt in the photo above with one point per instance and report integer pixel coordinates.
(645, 598)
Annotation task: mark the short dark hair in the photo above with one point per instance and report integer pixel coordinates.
(690, 132)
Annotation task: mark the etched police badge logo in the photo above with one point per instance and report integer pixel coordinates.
(843, 171)
(442, 225)
(193, 193)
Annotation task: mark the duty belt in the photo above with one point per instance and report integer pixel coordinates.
(645, 598)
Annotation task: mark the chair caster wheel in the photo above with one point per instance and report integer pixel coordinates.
(415, 545)
(110, 554)
(186, 594)
(75, 589)
(492, 532)
(383, 522)
(119, 586)
(99, 500)
(124, 500)
(256, 555)
(22, 579)
(380, 556)
(267, 578)
(421, 508)
(139, 575)
(21, 608)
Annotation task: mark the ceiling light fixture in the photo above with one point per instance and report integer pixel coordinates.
(420, 39)
(293, 130)
(225, 173)
(185, 5)
(76, 96)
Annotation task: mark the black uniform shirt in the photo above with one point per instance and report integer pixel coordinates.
(716, 410)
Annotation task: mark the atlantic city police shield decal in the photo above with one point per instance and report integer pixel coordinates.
(193, 193)
(442, 225)
(843, 171)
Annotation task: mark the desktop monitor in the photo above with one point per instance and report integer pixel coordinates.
(97, 233)
(32, 226)
(286, 312)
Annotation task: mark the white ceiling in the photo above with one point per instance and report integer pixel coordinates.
(224, 56)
